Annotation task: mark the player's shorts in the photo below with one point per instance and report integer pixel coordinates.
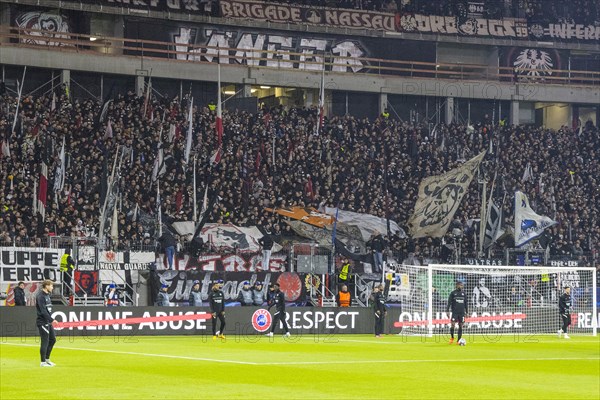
(458, 318)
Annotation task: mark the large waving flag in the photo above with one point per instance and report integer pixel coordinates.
(528, 224)
(439, 198)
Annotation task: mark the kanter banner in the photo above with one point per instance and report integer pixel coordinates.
(277, 49)
(29, 264)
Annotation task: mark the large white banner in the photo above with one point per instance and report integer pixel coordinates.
(528, 224)
(226, 236)
(439, 198)
(367, 223)
(29, 264)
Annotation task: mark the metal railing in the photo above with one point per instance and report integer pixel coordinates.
(262, 58)
(320, 295)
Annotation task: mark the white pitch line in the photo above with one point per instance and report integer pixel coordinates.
(141, 354)
(461, 360)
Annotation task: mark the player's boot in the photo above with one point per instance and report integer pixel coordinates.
(221, 336)
(560, 333)
(567, 336)
(51, 363)
(45, 364)
(270, 334)
(214, 337)
(451, 341)
(287, 334)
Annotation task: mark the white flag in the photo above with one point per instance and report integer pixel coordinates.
(59, 176)
(439, 198)
(109, 131)
(159, 168)
(527, 174)
(114, 226)
(528, 224)
(5, 149)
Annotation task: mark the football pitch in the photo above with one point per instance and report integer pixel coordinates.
(303, 367)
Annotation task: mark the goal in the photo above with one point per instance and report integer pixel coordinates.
(501, 299)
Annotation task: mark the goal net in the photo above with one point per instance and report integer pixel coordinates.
(508, 299)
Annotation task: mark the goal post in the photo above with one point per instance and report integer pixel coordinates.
(501, 299)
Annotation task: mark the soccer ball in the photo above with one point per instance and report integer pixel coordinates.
(462, 342)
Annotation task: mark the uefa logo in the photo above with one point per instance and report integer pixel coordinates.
(261, 320)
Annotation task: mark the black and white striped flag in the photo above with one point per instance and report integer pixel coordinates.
(493, 225)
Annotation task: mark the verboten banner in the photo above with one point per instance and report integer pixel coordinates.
(29, 264)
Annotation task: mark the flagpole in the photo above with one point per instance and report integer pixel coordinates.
(19, 101)
(219, 120)
(195, 203)
(35, 196)
(109, 188)
(483, 217)
(158, 201)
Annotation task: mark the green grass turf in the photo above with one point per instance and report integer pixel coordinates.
(307, 367)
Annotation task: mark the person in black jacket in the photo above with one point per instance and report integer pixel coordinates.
(279, 316)
(457, 305)
(45, 323)
(267, 244)
(216, 300)
(20, 294)
(380, 309)
(564, 309)
(169, 244)
(377, 244)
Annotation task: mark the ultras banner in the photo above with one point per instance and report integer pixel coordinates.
(194, 7)
(29, 264)
(55, 24)
(270, 48)
(533, 63)
(304, 14)
(500, 28)
(252, 321)
(293, 285)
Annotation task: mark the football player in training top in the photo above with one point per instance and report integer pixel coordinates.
(380, 309)
(457, 305)
(564, 308)
(279, 316)
(45, 322)
(216, 300)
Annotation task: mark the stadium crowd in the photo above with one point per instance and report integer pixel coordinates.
(554, 11)
(276, 158)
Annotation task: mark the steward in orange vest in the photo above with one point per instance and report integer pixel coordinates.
(343, 298)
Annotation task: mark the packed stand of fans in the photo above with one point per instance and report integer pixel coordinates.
(275, 158)
(585, 12)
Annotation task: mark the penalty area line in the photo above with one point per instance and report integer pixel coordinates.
(133, 353)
